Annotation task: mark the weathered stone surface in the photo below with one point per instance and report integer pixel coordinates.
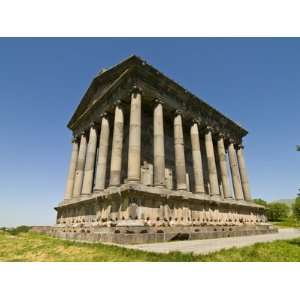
(102, 155)
(117, 146)
(237, 186)
(80, 167)
(72, 170)
(134, 148)
(179, 153)
(142, 235)
(243, 173)
(87, 185)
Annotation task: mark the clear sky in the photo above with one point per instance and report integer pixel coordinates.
(256, 82)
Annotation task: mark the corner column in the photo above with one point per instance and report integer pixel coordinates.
(159, 146)
(243, 172)
(72, 169)
(211, 162)
(89, 168)
(80, 166)
(117, 146)
(179, 152)
(237, 186)
(223, 167)
(102, 154)
(197, 159)
(134, 148)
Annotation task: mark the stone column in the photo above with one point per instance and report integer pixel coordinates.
(243, 172)
(87, 186)
(223, 168)
(134, 147)
(159, 146)
(237, 186)
(117, 146)
(80, 166)
(102, 154)
(179, 152)
(197, 159)
(72, 169)
(211, 162)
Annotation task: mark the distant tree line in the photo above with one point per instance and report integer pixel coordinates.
(278, 211)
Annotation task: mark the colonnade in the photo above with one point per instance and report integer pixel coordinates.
(83, 158)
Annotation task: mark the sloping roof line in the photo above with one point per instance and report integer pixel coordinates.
(132, 60)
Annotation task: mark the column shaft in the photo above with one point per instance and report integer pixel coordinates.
(179, 154)
(211, 162)
(223, 168)
(102, 155)
(159, 147)
(243, 173)
(89, 168)
(117, 146)
(237, 186)
(72, 169)
(197, 159)
(134, 148)
(80, 167)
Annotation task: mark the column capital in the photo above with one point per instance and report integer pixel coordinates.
(104, 114)
(158, 101)
(196, 121)
(221, 135)
(178, 112)
(231, 141)
(93, 125)
(82, 133)
(191, 122)
(120, 103)
(208, 129)
(136, 90)
(75, 139)
(240, 146)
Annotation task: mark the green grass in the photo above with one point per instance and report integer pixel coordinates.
(29, 246)
(289, 222)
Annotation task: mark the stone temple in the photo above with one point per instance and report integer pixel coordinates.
(152, 162)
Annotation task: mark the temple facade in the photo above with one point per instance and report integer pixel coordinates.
(148, 154)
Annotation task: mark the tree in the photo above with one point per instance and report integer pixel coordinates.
(277, 211)
(260, 201)
(296, 208)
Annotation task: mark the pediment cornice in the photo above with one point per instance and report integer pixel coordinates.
(109, 84)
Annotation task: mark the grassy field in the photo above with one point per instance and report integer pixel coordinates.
(29, 246)
(289, 222)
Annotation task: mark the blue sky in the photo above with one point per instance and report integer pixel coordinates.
(256, 82)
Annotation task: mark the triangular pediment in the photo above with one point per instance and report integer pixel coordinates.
(103, 81)
(137, 69)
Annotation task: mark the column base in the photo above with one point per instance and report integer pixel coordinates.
(114, 185)
(199, 192)
(181, 187)
(159, 186)
(216, 197)
(133, 180)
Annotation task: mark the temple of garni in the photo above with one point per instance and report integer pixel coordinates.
(152, 162)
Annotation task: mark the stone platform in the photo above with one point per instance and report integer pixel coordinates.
(146, 234)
